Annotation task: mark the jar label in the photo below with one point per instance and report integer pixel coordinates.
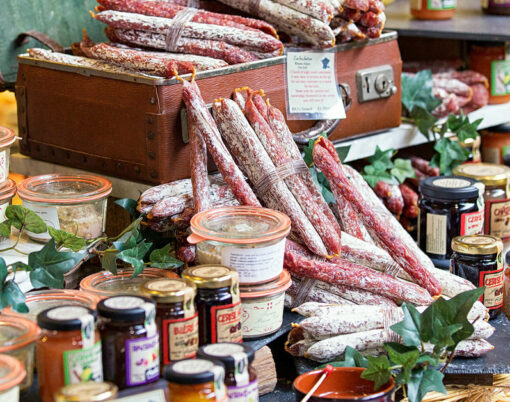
(249, 392)
(82, 365)
(255, 264)
(496, 3)
(10, 395)
(48, 214)
(262, 316)
(3, 207)
(226, 323)
(471, 223)
(500, 77)
(497, 218)
(142, 360)
(492, 298)
(180, 339)
(441, 4)
(4, 166)
(436, 234)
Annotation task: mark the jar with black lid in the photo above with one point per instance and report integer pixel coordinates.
(218, 303)
(130, 340)
(449, 207)
(176, 317)
(479, 259)
(240, 375)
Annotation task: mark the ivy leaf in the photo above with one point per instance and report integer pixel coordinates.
(13, 296)
(129, 205)
(405, 356)
(462, 127)
(161, 258)
(322, 184)
(342, 152)
(417, 91)
(5, 228)
(422, 381)
(409, 328)
(126, 241)
(378, 371)
(451, 154)
(66, 239)
(427, 359)
(134, 256)
(424, 120)
(352, 357)
(20, 266)
(20, 216)
(3, 270)
(41, 278)
(109, 262)
(372, 175)
(382, 158)
(403, 170)
(308, 152)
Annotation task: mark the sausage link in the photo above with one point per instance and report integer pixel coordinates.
(198, 158)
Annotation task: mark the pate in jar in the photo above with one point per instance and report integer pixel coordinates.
(7, 138)
(250, 240)
(7, 192)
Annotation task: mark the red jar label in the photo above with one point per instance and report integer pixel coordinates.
(471, 223)
(493, 282)
(226, 323)
(497, 218)
(180, 339)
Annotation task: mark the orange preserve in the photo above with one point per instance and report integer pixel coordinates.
(68, 349)
(196, 380)
(433, 9)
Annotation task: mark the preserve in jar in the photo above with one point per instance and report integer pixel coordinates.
(250, 240)
(106, 284)
(17, 338)
(479, 259)
(87, 392)
(498, 7)
(68, 349)
(240, 376)
(7, 138)
(195, 380)
(262, 306)
(496, 145)
(130, 340)
(449, 207)
(218, 303)
(506, 295)
(491, 60)
(12, 373)
(176, 318)
(7, 192)
(433, 9)
(74, 203)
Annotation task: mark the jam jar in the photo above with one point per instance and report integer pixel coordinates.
(496, 144)
(218, 303)
(479, 259)
(498, 7)
(87, 392)
(196, 380)
(449, 207)
(176, 318)
(68, 349)
(130, 340)
(240, 376)
(433, 9)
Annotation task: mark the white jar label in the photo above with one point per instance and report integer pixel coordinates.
(142, 360)
(497, 218)
(12, 395)
(262, 317)
(249, 392)
(3, 207)
(82, 365)
(436, 234)
(4, 166)
(49, 214)
(257, 264)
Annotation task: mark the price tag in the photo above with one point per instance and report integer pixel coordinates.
(312, 89)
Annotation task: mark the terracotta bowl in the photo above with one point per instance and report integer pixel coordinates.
(343, 384)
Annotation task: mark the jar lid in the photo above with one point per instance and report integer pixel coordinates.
(239, 225)
(8, 190)
(64, 189)
(477, 244)
(16, 332)
(127, 308)
(12, 372)
(211, 276)
(229, 353)
(65, 318)
(490, 174)
(266, 289)
(195, 371)
(169, 290)
(90, 391)
(7, 137)
(452, 188)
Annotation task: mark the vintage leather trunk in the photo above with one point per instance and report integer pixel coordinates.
(129, 126)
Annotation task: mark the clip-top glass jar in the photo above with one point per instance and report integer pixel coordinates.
(7, 138)
(433, 9)
(130, 340)
(196, 380)
(7, 192)
(479, 259)
(12, 373)
(87, 392)
(240, 375)
(449, 207)
(68, 349)
(218, 303)
(176, 318)
(74, 203)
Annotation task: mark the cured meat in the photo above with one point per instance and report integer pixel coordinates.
(350, 14)
(375, 223)
(480, 98)
(314, 294)
(376, 6)
(468, 77)
(320, 9)
(453, 86)
(349, 219)
(346, 31)
(199, 180)
(468, 348)
(362, 5)
(423, 166)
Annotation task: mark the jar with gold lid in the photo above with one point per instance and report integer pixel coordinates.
(87, 392)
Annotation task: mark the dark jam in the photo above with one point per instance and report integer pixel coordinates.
(208, 301)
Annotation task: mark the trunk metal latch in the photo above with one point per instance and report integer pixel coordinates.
(375, 83)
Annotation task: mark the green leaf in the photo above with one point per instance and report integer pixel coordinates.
(23, 217)
(417, 91)
(409, 328)
(427, 359)
(41, 278)
(352, 357)
(422, 381)
(20, 266)
(451, 154)
(13, 296)
(382, 158)
(161, 258)
(424, 120)
(66, 239)
(308, 152)
(134, 256)
(3, 270)
(405, 356)
(5, 228)
(378, 371)
(129, 205)
(109, 262)
(403, 170)
(342, 152)
(462, 127)
(372, 176)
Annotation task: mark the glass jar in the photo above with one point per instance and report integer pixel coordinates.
(196, 380)
(176, 318)
(7, 192)
(490, 60)
(68, 349)
(251, 240)
(74, 203)
(498, 7)
(7, 138)
(506, 296)
(262, 307)
(479, 259)
(240, 376)
(433, 9)
(17, 338)
(44, 299)
(12, 373)
(449, 207)
(106, 284)
(130, 340)
(496, 145)
(87, 392)
(218, 303)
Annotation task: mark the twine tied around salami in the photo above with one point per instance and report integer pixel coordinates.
(253, 6)
(390, 317)
(193, 3)
(293, 167)
(392, 270)
(178, 23)
(303, 290)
